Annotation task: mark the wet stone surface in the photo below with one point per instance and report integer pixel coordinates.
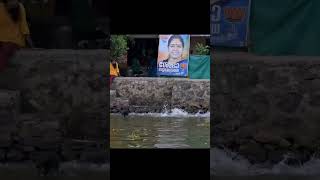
(160, 94)
(52, 108)
(266, 107)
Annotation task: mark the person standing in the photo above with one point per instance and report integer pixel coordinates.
(114, 71)
(14, 30)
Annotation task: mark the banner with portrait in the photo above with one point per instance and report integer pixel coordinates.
(173, 55)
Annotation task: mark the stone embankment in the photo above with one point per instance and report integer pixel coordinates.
(143, 94)
(53, 107)
(266, 107)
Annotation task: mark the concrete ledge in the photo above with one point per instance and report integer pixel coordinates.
(245, 58)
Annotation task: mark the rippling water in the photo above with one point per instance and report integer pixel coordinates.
(177, 129)
(227, 163)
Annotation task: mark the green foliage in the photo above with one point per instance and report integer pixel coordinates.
(201, 49)
(119, 46)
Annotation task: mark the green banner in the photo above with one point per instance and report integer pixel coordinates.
(285, 27)
(199, 67)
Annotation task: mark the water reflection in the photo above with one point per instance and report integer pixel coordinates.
(167, 139)
(145, 131)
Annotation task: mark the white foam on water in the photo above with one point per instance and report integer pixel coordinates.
(224, 162)
(308, 168)
(174, 113)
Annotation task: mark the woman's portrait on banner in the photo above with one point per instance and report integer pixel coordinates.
(173, 55)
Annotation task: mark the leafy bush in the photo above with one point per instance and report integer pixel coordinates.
(119, 46)
(201, 49)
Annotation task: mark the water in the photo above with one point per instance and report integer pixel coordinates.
(224, 163)
(177, 129)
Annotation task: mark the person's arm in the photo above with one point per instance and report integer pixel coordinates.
(29, 41)
(118, 70)
(24, 26)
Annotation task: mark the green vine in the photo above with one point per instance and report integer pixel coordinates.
(201, 49)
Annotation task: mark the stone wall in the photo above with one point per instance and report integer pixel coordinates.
(157, 94)
(57, 110)
(265, 107)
